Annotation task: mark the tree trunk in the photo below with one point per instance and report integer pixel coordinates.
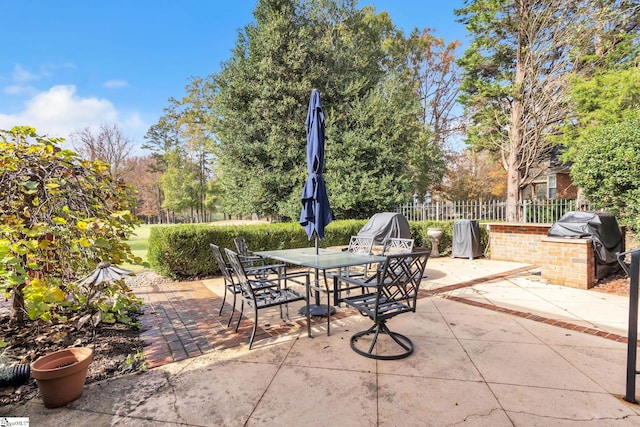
(516, 144)
(513, 193)
(17, 307)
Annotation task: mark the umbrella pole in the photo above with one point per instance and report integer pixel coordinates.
(318, 309)
(316, 278)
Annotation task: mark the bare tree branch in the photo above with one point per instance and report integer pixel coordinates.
(108, 144)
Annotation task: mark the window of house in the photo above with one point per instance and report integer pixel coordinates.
(551, 186)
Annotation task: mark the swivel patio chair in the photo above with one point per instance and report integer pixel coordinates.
(391, 292)
(258, 297)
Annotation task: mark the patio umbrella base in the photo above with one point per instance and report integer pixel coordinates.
(318, 310)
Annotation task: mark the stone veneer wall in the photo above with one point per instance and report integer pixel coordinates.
(568, 262)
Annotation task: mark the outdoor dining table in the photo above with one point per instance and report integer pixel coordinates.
(324, 259)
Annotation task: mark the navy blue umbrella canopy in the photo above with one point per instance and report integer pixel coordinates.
(316, 212)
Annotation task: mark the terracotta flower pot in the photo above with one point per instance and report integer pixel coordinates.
(60, 375)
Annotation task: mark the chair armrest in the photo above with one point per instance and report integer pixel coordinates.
(275, 281)
(251, 259)
(354, 281)
(273, 267)
(298, 274)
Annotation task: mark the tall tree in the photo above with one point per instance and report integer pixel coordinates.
(260, 102)
(163, 137)
(185, 131)
(107, 144)
(515, 78)
(606, 36)
(517, 73)
(518, 67)
(606, 87)
(474, 175)
(194, 113)
(180, 185)
(438, 79)
(147, 181)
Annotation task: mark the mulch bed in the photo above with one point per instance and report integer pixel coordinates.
(111, 344)
(617, 283)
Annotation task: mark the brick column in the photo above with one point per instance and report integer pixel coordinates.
(569, 262)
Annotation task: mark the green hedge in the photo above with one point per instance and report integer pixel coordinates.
(182, 251)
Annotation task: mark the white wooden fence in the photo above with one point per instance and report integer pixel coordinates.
(532, 211)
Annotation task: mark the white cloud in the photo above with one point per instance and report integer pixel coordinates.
(19, 90)
(22, 75)
(115, 84)
(59, 112)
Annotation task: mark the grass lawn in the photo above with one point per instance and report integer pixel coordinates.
(138, 244)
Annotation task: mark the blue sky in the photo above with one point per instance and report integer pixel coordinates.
(69, 64)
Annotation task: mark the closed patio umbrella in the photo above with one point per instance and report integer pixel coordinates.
(316, 212)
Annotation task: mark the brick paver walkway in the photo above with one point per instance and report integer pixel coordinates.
(181, 320)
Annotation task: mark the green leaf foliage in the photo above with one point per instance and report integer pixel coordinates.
(59, 217)
(607, 167)
(606, 98)
(183, 251)
(260, 100)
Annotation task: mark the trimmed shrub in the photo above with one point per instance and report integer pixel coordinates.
(182, 251)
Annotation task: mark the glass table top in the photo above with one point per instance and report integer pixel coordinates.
(325, 259)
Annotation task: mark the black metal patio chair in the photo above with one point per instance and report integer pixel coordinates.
(247, 257)
(227, 274)
(391, 292)
(397, 245)
(257, 296)
(259, 274)
(357, 245)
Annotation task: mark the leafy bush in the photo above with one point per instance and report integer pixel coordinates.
(607, 167)
(60, 217)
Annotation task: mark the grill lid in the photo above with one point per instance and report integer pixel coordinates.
(601, 227)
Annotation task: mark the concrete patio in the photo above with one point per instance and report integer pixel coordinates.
(494, 346)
